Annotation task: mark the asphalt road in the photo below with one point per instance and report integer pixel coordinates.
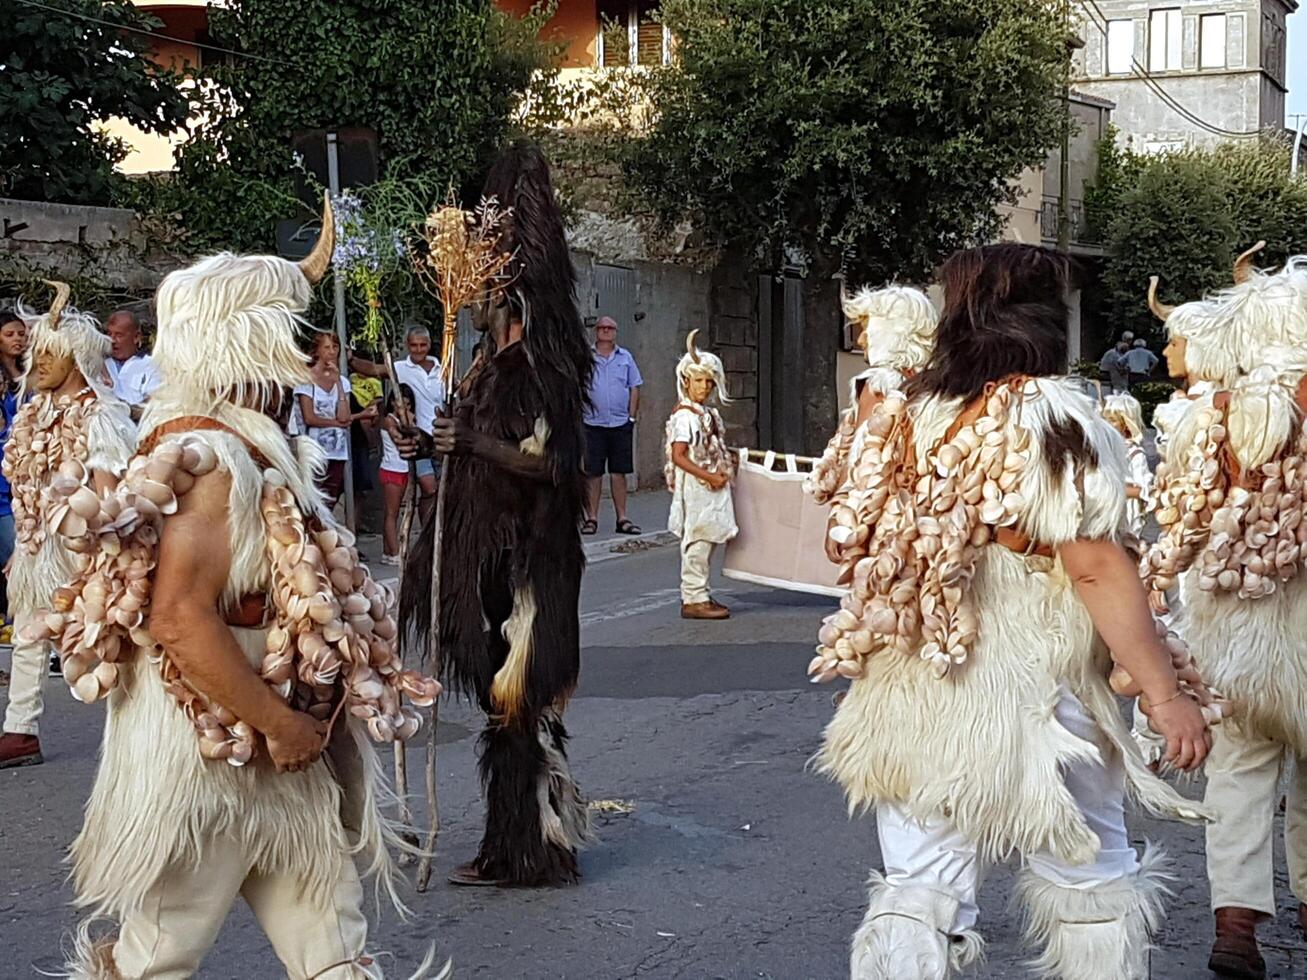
(719, 855)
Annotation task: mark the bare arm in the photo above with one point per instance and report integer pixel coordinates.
(342, 405)
(634, 410)
(194, 562)
(369, 369)
(681, 459)
(1107, 582)
(317, 421)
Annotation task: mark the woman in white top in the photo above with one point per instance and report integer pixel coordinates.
(324, 409)
(394, 476)
(421, 372)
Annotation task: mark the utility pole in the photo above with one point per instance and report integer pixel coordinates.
(342, 332)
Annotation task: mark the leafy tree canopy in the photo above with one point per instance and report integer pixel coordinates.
(60, 76)
(1185, 216)
(883, 132)
(439, 83)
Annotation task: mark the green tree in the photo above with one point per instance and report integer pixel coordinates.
(873, 135)
(1187, 215)
(64, 74)
(439, 84)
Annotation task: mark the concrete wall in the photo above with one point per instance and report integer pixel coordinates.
(1245, 96)
(65, 239)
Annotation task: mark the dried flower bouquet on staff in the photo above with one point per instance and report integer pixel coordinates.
(462, 255)
(332, 645)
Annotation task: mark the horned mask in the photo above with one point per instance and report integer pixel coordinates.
(64, 331)
(228, 324)
(1229, 333)
(898, 325)
(700, 364)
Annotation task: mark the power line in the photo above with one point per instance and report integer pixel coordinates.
(77, 15)
(1151, 81)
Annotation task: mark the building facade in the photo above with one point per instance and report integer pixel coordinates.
(1186, 72)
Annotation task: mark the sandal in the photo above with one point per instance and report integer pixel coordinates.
(589, 526)
(625, 526)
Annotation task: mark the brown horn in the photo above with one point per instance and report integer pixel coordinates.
(1160, 310)
(689, 346)
(1243, 265)
(316, 263)
(61, 293)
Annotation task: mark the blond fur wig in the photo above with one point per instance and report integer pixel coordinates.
(73, 333)
(898, 325)
(697, 363)
(1124, 411)
(1229, 332)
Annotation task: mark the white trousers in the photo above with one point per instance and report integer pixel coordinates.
(26, 677)
(934, 855)
(1243, 789)
(182, 913)
(694, 571)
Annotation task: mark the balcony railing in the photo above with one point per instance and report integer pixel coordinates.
(1079, 229)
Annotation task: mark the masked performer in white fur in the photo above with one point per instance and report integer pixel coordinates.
(896, 332)
(245, 654)
(1124, 413)
(699, 468)
(72, 417)
(986, 505)
(511, 557)
(1230, 505)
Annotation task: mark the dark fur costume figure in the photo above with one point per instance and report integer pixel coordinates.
(511, 550)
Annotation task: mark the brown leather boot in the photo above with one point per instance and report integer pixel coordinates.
(704, 610)
(1235, 952)
(19, 750)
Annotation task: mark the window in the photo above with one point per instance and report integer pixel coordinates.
(630, 34)
(1165, 34)
(1120, 46)
(1211, 41)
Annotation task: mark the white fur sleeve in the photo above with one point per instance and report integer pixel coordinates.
(110, 436)
(1075, 483)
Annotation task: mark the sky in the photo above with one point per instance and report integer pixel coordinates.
(1297, 58)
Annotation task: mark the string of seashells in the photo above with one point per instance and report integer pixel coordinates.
(331, 647)
(1215, 708)
(37, 445)
(824, 480)
(1244, 537)
(909, 539)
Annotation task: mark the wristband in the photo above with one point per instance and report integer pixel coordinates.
(1158, 704)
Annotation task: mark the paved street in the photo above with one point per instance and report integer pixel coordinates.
(731, 862)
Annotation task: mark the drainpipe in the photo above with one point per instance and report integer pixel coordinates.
(1297, 146)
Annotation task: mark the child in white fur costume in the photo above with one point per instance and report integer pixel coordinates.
(896, 330)
(1243, 615)
(992, 728)
(1124, 413)
(699, 468)
(72, 418)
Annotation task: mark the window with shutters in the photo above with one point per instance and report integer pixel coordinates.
(1211, 41)
(631, 34)
(1165, 39)
(1120, 46)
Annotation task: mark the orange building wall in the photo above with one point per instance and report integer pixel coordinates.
(576, 24)
(180, 22)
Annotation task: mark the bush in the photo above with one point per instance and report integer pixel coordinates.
(1151, 394)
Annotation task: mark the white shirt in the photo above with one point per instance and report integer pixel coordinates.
(391, 461)
(333, 440)
(428, 389)
(135, 379)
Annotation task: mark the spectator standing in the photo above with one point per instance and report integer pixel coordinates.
(1112, 368)
(324, 413)
(13, 344)
(610, 425)
(132, 372)
(1140, 362)
(421, 372)
(394, 475)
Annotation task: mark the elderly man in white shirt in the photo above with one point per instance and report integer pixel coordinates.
(132, 372)
(421, 372)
